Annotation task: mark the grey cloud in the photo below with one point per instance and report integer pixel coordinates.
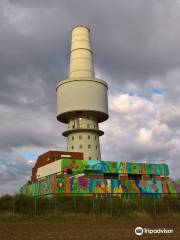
(142, 132)
(136, 47)
(25, 127)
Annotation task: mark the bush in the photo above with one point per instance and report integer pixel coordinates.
(98, 204)
(6, 203)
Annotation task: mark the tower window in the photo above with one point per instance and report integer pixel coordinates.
(94, 126)
(73, 126)
(80, 136)
(95, 137)
(72, 138)
(72, 147)
(89, 137)
(88, 125)
(89, 158)
(96, 146)
(87, 118)
(80, 146)
(89, 146)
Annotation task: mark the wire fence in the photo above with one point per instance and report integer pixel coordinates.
(95, 204)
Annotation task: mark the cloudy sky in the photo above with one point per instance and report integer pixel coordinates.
(136, 51)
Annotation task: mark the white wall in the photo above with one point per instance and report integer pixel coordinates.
(49, 169)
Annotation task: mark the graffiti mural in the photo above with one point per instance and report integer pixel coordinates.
(176, 186)
(86, 185)
(99, 167)
(105, 177)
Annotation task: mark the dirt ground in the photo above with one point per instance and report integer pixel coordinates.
(100, 228)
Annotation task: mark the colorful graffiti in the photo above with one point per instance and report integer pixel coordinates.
(176, 186)
(172, 186)
(99, 167)
(92, 176)
(85, 185)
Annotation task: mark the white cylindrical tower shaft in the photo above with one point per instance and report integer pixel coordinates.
(81, 63)
(82, 99)
(83, 135)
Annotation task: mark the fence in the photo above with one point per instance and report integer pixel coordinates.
(96, 204)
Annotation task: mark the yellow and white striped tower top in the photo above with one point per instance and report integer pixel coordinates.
(81, 60)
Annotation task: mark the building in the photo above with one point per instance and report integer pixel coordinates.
(82, 100)
(82, 103)
(41, 167)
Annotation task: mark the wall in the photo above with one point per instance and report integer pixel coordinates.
(49, 169)
(84, 185)
(50, 157)
(87, 176)
(77, 166)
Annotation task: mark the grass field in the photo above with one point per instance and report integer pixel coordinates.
(84, 227)
(73, 217)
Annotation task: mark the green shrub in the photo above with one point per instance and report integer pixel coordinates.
(98, 204)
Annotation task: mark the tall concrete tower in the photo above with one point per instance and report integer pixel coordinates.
(82, 100)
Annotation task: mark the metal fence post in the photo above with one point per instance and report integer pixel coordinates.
(55, 205)
(111, 205)
(35, 206)
(13, 206)
(155, 211)
(74, 202)
(125, 199)
(142, 203)
(168, 207)
(93, 203)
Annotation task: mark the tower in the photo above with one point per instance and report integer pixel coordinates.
(82, 100)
